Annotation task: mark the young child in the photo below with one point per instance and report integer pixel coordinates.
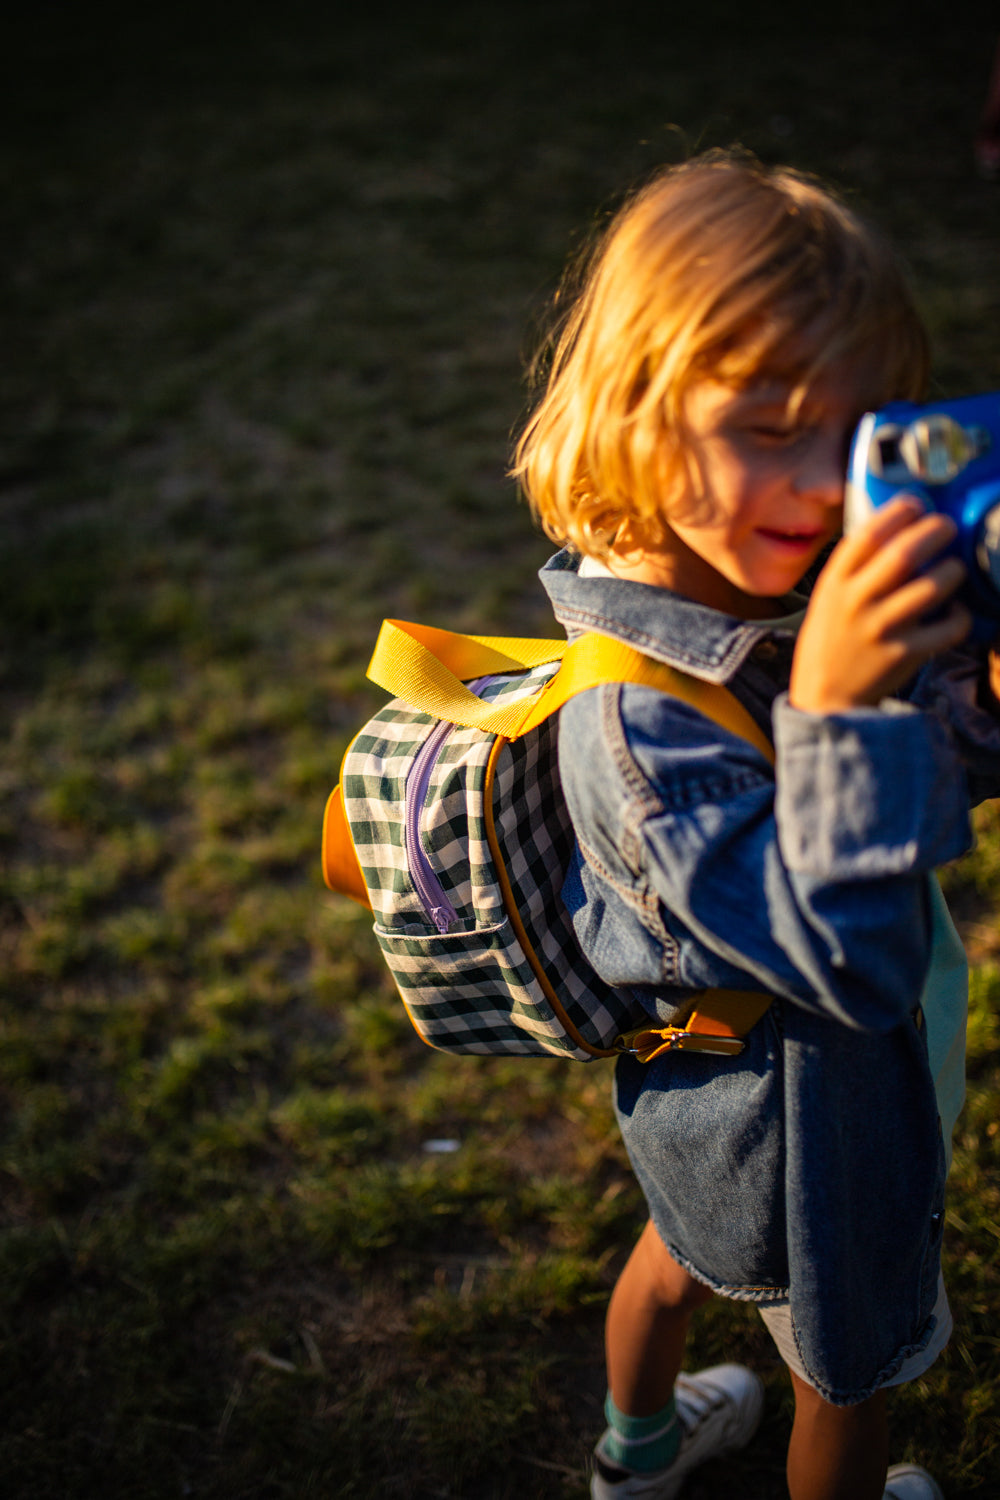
(689, 451)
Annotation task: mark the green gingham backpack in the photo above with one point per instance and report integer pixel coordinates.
(450, 826)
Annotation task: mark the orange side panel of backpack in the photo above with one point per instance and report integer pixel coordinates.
(341, 870)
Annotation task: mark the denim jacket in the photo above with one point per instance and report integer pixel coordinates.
(811, 1167)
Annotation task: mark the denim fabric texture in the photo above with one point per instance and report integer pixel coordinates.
(812, 1165)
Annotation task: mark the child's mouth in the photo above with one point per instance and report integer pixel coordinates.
(792, 541)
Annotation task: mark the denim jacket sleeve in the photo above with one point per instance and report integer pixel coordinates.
(951, 687)
(810, 881)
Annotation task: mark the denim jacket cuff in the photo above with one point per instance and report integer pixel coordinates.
(867, 793)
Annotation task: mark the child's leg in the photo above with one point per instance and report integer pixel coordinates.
(837, 1452)
(658, 1431)
(647, 1326)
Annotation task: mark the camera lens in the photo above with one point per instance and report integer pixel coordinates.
(935, 448)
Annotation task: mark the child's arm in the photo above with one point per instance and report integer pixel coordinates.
(699, 871)
(697, 866)
(960, 687)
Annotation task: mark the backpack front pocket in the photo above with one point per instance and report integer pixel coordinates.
(474, 992)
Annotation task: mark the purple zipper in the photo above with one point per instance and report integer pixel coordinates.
(426, 884)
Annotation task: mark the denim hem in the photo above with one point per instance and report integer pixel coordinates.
(854, 1398)
(760, 1294)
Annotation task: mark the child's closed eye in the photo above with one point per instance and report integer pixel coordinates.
(775, 434)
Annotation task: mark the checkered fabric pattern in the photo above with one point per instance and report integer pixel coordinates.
(473, 989)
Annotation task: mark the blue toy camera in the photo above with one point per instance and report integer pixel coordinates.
(948, 454)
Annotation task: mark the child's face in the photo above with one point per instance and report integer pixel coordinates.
(766, 492)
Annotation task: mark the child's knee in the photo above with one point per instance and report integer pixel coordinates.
(809, 1404)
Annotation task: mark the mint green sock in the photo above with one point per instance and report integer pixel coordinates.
(642, 1443)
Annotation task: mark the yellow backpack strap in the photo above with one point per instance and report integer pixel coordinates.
(425, 668)
(594, 659)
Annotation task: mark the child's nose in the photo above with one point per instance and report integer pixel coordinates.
(822, 471)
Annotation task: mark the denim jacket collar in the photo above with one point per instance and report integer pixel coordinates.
(689, 636)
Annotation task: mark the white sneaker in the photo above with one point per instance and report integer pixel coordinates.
(909, 1482)
(719, 1411)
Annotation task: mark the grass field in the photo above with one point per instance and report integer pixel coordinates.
(269, 280)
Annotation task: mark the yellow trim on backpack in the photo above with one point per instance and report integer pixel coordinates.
(718, 1023)
(341, 869)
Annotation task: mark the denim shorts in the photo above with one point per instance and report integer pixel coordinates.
(778, 1322)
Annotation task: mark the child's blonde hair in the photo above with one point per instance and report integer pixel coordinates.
(719, 268)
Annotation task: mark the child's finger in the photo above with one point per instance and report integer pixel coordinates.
(940, 634)
(901, 511)
(905, 552)
(922, 594)
(857, 548)
(993, 672)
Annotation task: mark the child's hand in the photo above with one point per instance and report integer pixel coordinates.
(993, 672)
(867, 630)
